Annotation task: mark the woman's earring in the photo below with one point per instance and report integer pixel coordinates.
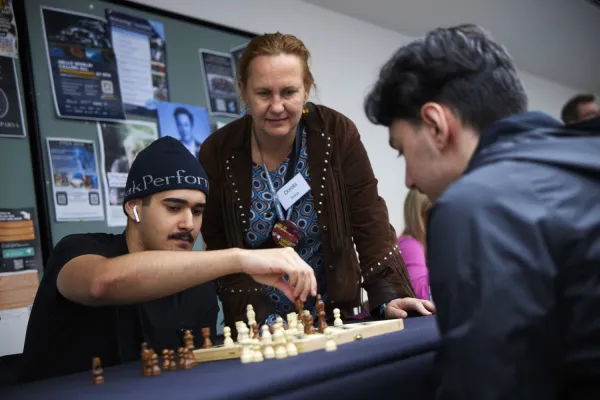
(304, 109)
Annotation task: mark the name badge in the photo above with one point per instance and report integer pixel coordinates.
(293, 191)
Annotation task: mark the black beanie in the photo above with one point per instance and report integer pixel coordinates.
(164, 165)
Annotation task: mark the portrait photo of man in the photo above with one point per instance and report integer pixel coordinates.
(186, 123)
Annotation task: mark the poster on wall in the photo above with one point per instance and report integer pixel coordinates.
(188, 124)
(82, 65)
(20, 248)
(236, 53)
(75, 184)
(11, 112)
(120, 143)
(141, 50)
(8, 30)
(220, 83)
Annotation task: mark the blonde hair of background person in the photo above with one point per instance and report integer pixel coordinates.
(416, 207)
(412, 241)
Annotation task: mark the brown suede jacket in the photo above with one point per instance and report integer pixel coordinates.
(350, 211)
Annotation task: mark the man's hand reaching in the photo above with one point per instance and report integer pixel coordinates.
(269, 266)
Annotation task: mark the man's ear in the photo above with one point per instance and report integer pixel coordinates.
(129, 209)
(434, 118)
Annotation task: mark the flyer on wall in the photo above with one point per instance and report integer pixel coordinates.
(75, 184)
(120, 143)
(8, 31)
(11, 111)
(236, 53)
(220, 83)
(141, 51)
(19, 241)
(186, 123)
(82, 66)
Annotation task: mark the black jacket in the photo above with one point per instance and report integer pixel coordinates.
(514, 256)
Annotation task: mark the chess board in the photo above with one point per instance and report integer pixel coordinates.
(307, 343)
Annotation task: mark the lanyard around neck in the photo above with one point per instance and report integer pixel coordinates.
(291, 169)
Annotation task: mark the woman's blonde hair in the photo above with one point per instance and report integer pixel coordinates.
(416, 206)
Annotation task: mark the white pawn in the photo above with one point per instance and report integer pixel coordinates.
(268, 351)
(278, 323)
(338, 320)
(299, 323)
(228, 342)
(251, 315)
(257, 355)
(330, 344)
(239, 331)
(247, 354)
(266, 335)
(291, 349)
(280, 351)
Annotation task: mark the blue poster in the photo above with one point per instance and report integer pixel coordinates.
(188, 124)
(75, 184)
(82, 66)
(141, 50)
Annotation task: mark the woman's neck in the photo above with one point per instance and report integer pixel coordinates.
(274, 149)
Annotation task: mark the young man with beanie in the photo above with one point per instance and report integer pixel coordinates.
(102, 295)
(513, 238)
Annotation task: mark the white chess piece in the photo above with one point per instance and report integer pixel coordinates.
(299, 323)
(292, 323)
(228, 342)
(247, 354)
(257, 355)
(330, 344)
(337, 315)
(280, 350)
(266, 335)
(237, 327)
(292, 350)
(245, 334)
(278, 323)
(251, 315)
(268, 352)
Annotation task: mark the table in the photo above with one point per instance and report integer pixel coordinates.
(395, 365)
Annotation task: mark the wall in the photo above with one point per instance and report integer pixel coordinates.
(16, 190)
(347, 54)
(184, 77)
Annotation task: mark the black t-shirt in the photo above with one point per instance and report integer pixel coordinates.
(63, 336)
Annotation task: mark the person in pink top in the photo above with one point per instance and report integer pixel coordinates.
(412, 242)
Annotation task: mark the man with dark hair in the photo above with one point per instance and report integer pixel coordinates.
(513, 238)
(580, 108)
(184, 120)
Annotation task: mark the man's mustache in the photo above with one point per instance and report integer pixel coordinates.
(182, 236)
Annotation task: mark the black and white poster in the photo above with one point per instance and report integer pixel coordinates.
(19, 241)
(141, 49)
(82, 65)
(120, 143)
(8, 30)
(220, 83)
(11, 112)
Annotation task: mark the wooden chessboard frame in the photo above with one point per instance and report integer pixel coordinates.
(307, 343)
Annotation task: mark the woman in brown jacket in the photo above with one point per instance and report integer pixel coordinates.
(333, 194)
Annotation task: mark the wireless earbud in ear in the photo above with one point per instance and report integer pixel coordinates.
(135, 214)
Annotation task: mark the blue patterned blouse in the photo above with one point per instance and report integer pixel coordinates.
(263, 216)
